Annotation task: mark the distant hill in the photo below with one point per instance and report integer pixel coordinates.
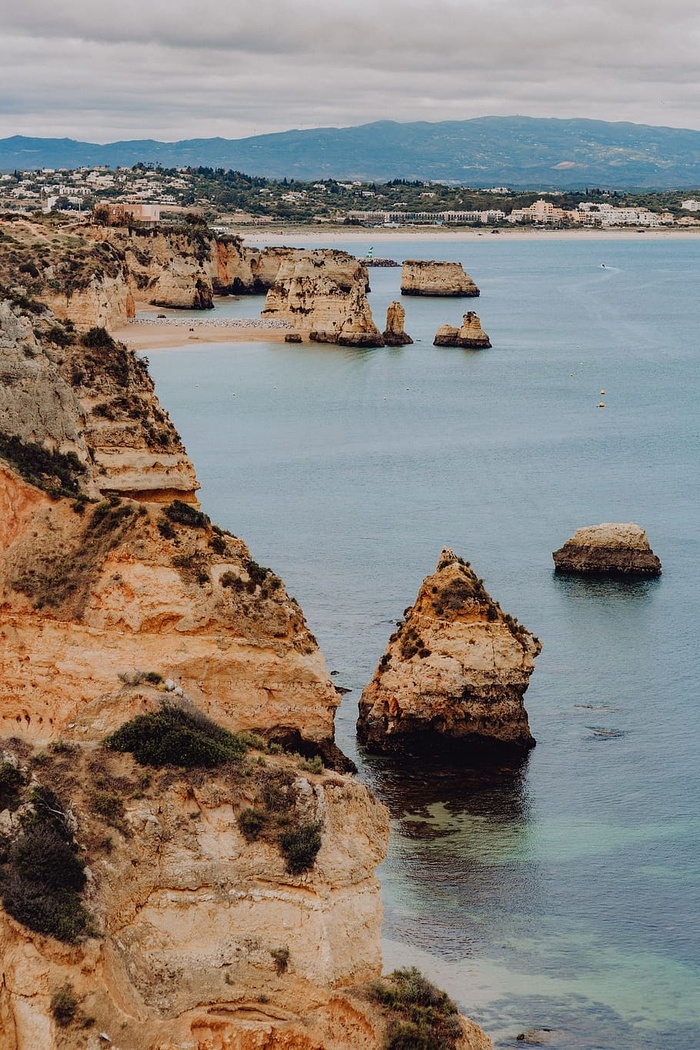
(523, 152)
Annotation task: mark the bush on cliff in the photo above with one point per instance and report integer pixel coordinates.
(176, 737)
(52, 471)
(42, 875)
(421, 1016)
(300, 846)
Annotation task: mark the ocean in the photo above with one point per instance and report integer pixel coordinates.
(563, 894)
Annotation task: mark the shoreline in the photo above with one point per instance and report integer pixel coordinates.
(442, 233)
(171, 332)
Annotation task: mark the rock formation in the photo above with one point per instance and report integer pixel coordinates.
(322, 296)
(454, 673)
(219, 909)
(609, 549)
(426, 277)
(394, 334)
(471, 335)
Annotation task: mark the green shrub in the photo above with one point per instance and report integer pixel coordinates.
(64, 1005)
(165, 529)
(175, 737)
(300, 846)
(107, 805)
(42, 875)
(251, 822)
(426, 1018)
(186, 514)
(47, 470)
(11, 780)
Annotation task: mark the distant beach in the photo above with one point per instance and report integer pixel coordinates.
(381, 234)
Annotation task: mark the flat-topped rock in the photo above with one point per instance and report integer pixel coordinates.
(428, 277)
(453, 675)
(608, 549)
(470, 336)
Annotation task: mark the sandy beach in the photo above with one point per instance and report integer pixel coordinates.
(380, 234)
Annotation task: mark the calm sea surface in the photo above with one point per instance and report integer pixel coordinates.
(564, 894)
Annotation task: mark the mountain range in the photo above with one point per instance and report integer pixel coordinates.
(527, 152)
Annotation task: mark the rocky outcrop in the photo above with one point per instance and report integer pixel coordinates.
(322, 296)
(75, 277)
(426, 277)
(470, 336)
(609, 549)
(394, 334)
(454, 674)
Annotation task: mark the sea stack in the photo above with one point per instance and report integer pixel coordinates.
(454, 674)
(610, 549)
(426, 277)
(470, 336)
(394, 334)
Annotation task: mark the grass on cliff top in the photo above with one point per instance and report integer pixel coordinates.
(421, 1017)
(176, 737)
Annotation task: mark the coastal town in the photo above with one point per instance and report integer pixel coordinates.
(152, 194)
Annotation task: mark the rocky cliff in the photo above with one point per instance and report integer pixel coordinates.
(152, 902)
(427, 277)
(454, 673)
(76, 277)
(322, 296)
(609, 549)
(470, 336)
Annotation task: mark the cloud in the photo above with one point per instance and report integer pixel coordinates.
(184, 69)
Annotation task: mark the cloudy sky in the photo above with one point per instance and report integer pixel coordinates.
(171, 69)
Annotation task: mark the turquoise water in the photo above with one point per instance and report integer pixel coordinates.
(566, 893)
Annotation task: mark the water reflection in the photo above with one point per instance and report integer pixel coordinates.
(461, 857)
(597, 589)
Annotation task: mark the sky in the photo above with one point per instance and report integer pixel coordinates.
(173, 69)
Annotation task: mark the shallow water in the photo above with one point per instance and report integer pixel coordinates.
(564, 894)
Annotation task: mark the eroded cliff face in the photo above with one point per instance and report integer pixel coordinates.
(202, 936)
(322, 296)
(76, 277)
(454, 673)
(427, 277)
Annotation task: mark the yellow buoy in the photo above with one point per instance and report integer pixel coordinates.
(602, 391)
(601, 404)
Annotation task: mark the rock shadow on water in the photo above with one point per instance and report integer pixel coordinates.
(598, 589)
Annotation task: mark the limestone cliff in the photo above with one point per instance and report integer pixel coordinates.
(470, 336)
(74, 276)
(609, 549)
(174, 910)
(322, 296)
(454, 673)
(394, 334)
(427, 277)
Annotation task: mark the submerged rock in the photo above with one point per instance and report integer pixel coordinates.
(454, 673)
(394, 334)
(609, 549)
(471, 335)
(427, 277)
